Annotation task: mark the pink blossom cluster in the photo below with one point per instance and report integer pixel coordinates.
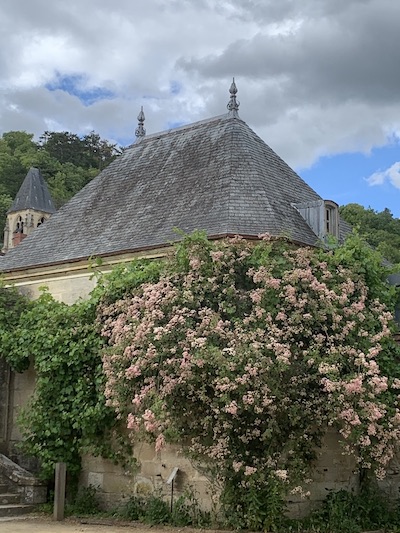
(247, 361)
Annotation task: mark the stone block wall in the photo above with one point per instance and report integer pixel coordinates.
(67, 289)
(333, 471)
(23, 387)
(116, 485)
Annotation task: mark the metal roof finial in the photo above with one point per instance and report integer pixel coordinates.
(140, 131)
(233, 104)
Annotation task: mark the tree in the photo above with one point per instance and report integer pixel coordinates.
(65, 147)
(5, 204)
(67, 181)
(380, 229)
(87, 152)
(100, 152)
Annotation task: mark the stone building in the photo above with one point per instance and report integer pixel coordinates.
(215, 175)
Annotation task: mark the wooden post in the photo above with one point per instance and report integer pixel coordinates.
(59, 492)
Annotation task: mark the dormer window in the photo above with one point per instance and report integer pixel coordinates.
(331, 218)
(322, 216)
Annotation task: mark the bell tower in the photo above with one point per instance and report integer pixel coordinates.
(32, 206)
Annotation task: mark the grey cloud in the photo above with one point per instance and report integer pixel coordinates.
(352, 57)
(271, 11)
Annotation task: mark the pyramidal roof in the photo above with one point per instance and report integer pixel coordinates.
(215, 175)
(33, 194)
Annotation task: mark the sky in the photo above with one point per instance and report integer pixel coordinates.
(318, 80)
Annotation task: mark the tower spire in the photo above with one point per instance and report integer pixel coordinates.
(233, 104)
(140, 131)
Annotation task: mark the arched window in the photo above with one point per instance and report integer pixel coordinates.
(19, 226)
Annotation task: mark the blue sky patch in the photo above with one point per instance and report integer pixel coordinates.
(76, 86)
(175, 124)
(342, 178)
(175, 87)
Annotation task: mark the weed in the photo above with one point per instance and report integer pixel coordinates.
(155, 510)
(186, 511)
(86, 502)
(131, 509)
(346, 512)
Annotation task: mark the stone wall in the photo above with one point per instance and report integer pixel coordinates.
(67, 289)
(114, 484)
(333, 471)
(22, 389)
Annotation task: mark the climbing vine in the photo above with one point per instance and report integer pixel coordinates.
(67, 415)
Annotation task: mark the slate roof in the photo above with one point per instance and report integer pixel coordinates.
(215, 175)
(33, 194)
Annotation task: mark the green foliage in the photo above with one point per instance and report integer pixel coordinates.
(86, 502)
(186, 511)
(380, 229)
(67, 414)
(89, 151)
(67, 180)
(347, 512)
(256, 506)
(131, 509)
(125, 278)
(5, 203)
(154, 510)
(12, 306)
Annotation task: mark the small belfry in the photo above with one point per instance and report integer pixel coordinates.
(32, 206)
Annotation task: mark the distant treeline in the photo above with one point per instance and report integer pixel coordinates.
(380, 229)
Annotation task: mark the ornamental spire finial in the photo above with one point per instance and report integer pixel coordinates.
(140, 131)
(233, 104)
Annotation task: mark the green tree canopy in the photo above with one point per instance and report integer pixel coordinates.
(380, 229)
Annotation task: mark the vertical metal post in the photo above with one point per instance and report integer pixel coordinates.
(170, 481)
(172, 495)
(59, 491)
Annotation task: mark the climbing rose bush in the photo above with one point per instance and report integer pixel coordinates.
(248, 353)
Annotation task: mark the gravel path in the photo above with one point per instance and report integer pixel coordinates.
(33, 524)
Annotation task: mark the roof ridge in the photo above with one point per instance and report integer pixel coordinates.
(191, 125)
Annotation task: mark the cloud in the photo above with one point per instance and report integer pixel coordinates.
(391, 174)
(314, 77)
